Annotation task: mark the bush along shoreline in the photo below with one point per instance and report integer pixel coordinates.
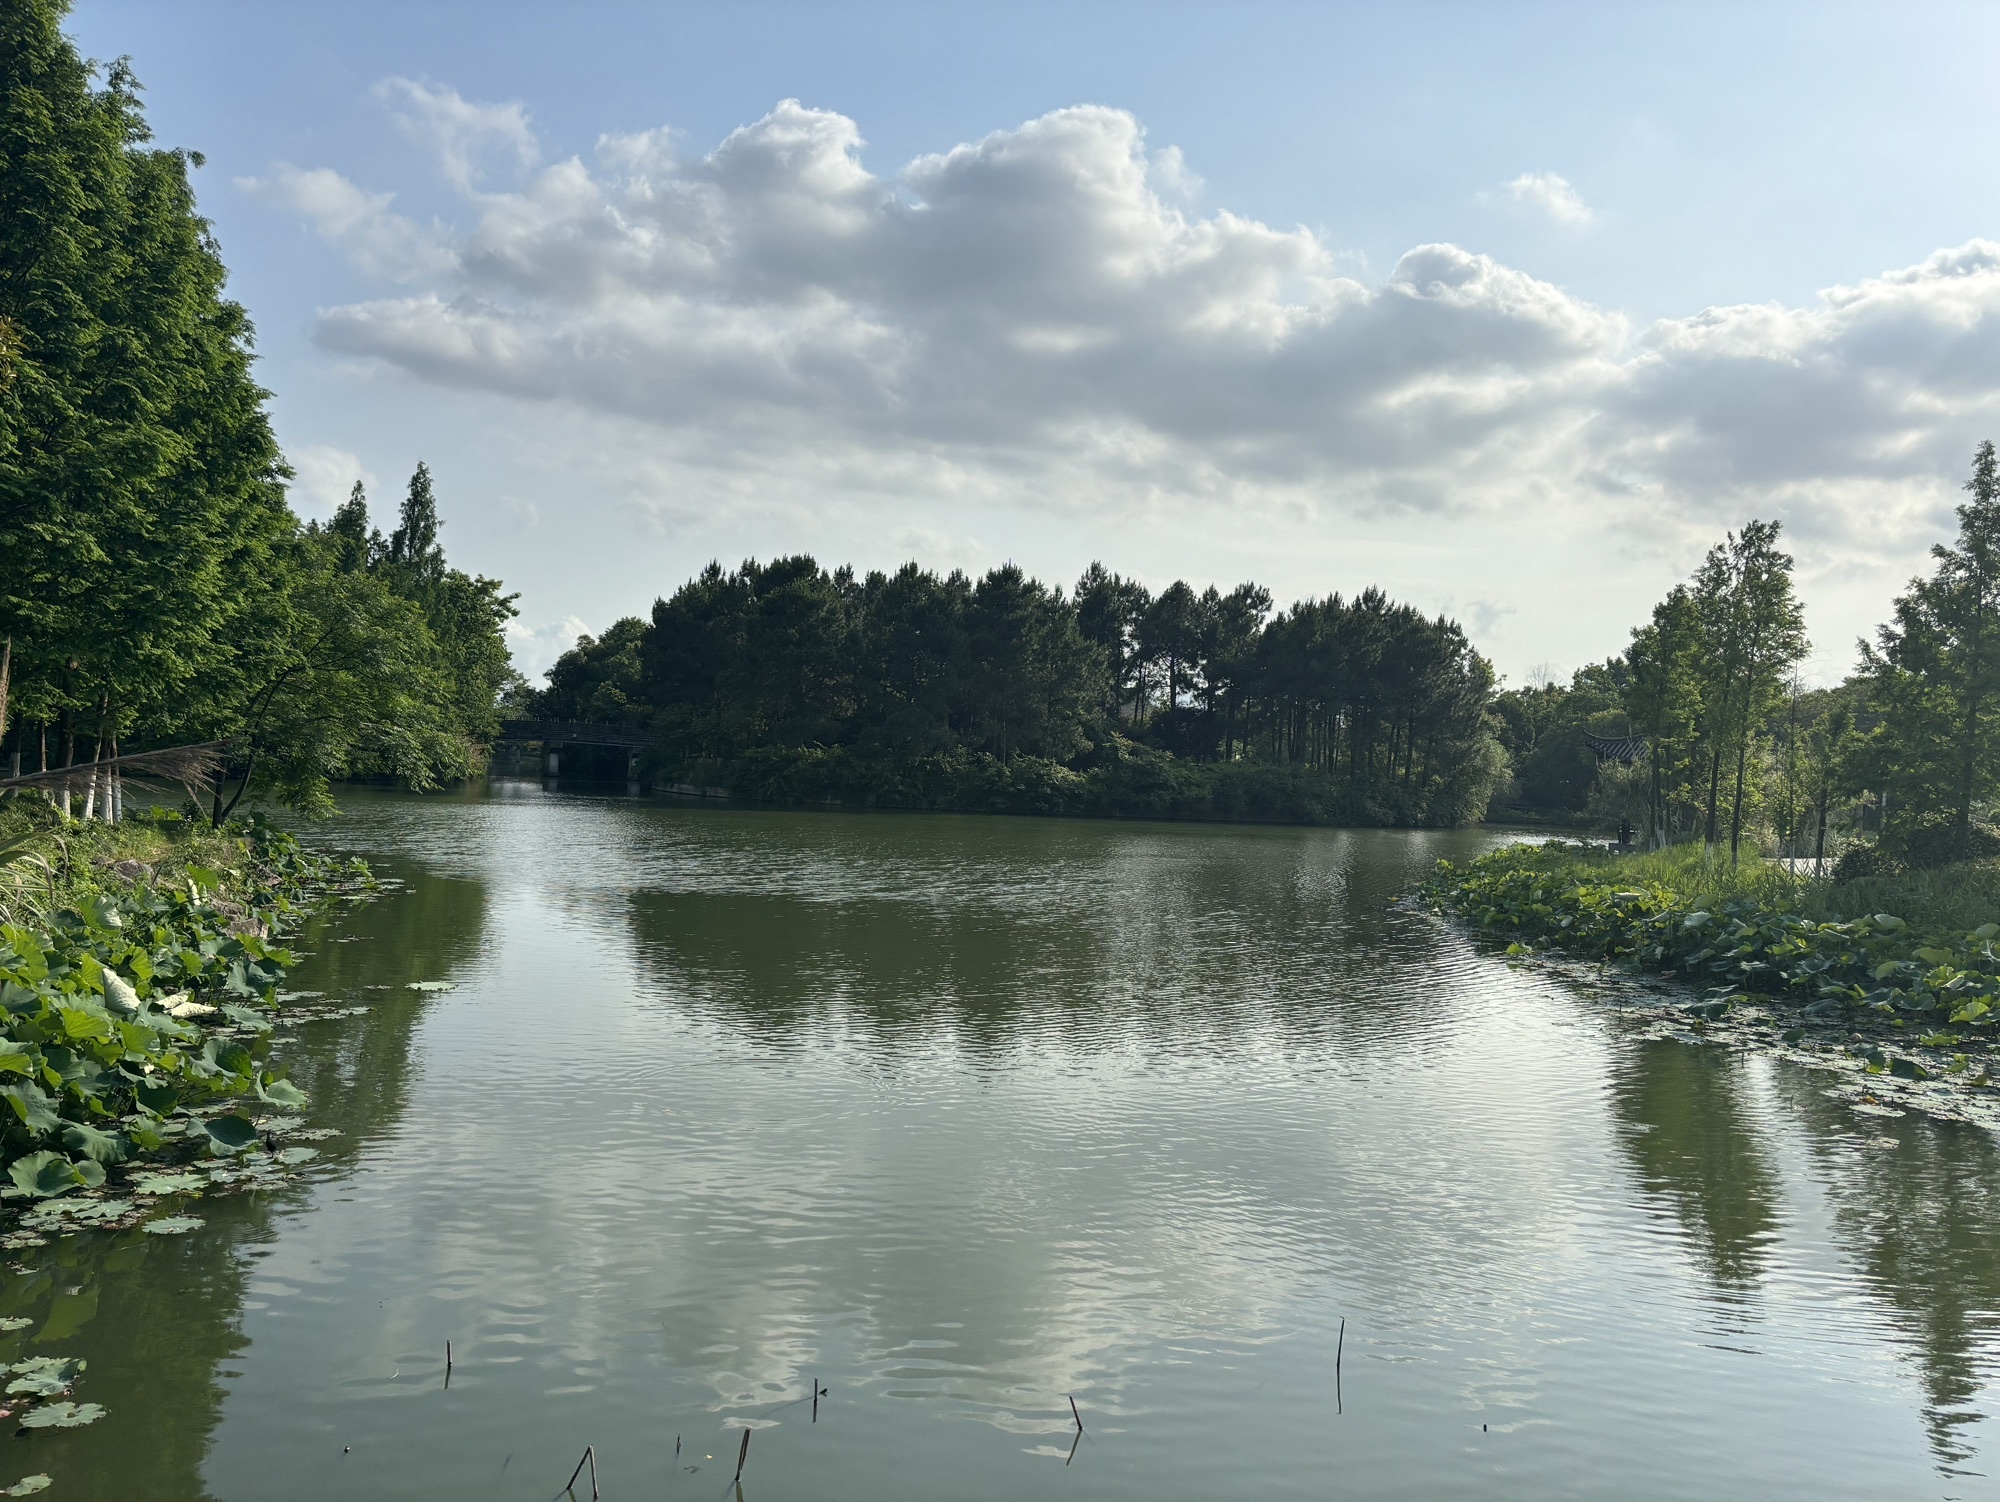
(140, 967)
(1906, 1008)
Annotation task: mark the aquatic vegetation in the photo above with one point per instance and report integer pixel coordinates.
(136, 1021)
(1734, 933)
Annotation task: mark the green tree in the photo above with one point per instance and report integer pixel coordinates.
(1752, 635)
(1934, 671)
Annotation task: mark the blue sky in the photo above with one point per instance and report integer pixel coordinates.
(1510, 309)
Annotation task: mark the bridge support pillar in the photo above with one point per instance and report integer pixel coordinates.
(552, 762)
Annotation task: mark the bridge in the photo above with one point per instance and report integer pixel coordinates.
(555, 735)
(573, 733)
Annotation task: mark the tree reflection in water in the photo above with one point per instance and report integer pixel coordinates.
(1916, 1204)
(1689, 1139)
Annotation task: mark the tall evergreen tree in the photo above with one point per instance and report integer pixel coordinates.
(1935, 671)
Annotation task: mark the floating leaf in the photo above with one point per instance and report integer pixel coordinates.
(42, 1174)
(27, 1486)
(433, 985)
(46, 1376)
(63, 1416)
(230, 1134)
(168, 1183)
(291, 1157)
(173, 1225)
(14, 1322)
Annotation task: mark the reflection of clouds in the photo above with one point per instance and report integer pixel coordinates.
(966, 1115)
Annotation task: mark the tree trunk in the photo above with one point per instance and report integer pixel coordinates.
(68, 752)
(1819, 844)
(1736, 808)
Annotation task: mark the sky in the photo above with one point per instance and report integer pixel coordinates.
(1512, 310)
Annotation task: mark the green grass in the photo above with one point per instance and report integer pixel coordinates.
(48, 863)
(1950, 900)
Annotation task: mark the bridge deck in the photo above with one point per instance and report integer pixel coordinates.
(574, 733)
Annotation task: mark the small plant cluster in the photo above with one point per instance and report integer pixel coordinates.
(136, 1021)
(1874, 968)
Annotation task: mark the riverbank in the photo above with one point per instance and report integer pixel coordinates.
(1905, 1002)
(140, 967)
(1120, 780)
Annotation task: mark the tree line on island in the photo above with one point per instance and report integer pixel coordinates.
(789, 680)
(155, 588)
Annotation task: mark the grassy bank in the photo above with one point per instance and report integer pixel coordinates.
(1915, 956)
(139, 968)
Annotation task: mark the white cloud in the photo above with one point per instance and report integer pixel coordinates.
(1026, 319)
(323, 477)
(360, 223)
(1552, 195)
(468, 138)
(536, 648)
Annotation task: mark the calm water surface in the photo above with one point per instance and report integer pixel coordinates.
(964, 1116)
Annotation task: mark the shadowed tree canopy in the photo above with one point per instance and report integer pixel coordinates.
(898, 680)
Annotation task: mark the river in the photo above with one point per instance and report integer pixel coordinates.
(965, 1117)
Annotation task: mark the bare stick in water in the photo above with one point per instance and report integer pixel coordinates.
(742, 1454)
(589, 1459)
(1074, 1414)
(1072, 1446)
(815, 1400)
(1339, 1346)
(447, 1363)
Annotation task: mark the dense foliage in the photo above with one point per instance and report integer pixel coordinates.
(154, 588)
(1689, 918)
(137, 995)
(789, 681)
(1897, 768)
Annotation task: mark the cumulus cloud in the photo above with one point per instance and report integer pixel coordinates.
(536, 648)
(468, 138)
(1550, 194)
(323, 475)
(1038, 314)
(378, 240)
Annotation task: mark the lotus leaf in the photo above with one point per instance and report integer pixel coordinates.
(27, 1486)
(63, 1416)
(46, 1376)
(105, 1147)
(36, 1111)
(43, 1174)
(119, 995)
(281, 1092)
(14, 1322)
(156, 1097)
(230, 1134)
(291, 1157)
(173, 1225)
(168, 1183)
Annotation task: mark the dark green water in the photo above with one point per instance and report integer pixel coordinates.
(963, 1116)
